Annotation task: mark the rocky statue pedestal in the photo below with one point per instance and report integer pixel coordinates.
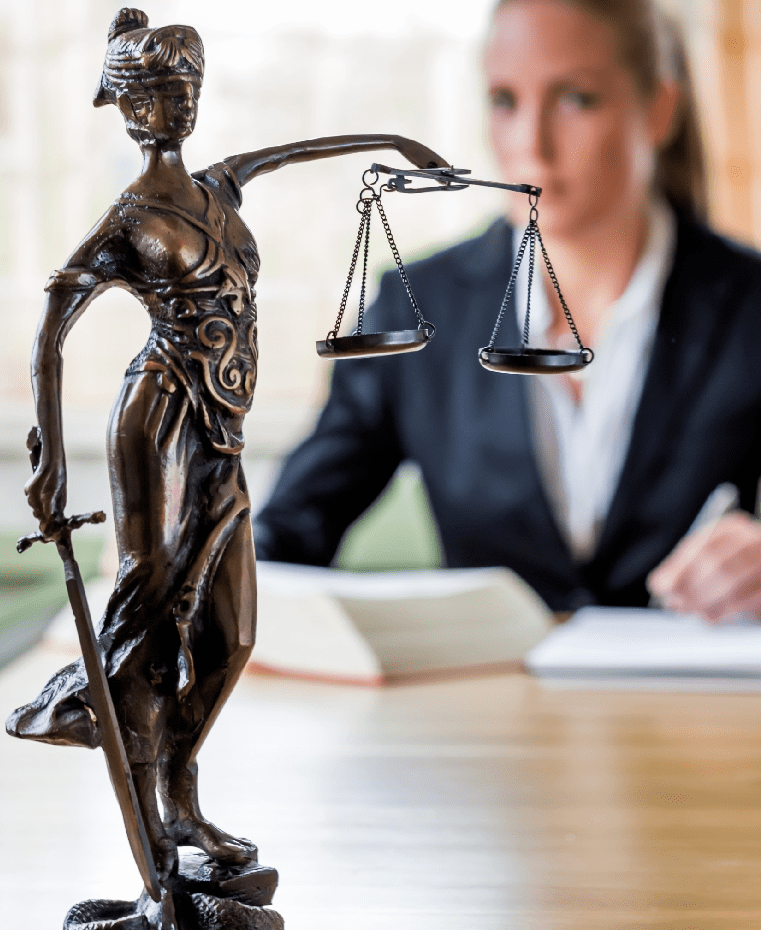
(205, 896)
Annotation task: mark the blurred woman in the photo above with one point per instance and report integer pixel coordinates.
(584, 485)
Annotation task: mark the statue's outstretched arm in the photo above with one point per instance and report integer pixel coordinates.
(250, 164)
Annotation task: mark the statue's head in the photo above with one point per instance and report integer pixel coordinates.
(154, 76)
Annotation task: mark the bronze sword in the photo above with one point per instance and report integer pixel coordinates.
(100, 695)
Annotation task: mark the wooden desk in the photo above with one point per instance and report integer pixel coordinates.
(486, 804)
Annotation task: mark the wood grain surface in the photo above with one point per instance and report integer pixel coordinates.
(482, 804)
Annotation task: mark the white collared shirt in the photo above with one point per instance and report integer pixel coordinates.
(581, 447)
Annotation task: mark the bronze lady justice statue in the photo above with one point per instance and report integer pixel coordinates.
(180, 624)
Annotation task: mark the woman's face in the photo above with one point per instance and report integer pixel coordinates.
(168, 111)
(566, 114)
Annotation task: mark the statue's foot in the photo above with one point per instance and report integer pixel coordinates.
(214, 842)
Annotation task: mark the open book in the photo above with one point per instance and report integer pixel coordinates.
(371, 627)
(670, 651)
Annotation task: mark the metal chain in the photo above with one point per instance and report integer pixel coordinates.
(361, 313)
(367, 197)
(422, 323)
(532, 233)
(509, 291)
(532, 230)
(556, 285)
(365, 219)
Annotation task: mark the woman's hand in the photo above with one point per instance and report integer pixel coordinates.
(714, 572)
(46, 493)
(420, 155)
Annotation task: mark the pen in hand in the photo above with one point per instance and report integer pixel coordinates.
(722, 500)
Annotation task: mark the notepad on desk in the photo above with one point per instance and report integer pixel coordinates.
(375, 627)
(654, 649)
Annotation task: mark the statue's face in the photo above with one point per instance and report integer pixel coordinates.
(168, 111)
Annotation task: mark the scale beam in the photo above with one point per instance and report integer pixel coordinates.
(447, 179)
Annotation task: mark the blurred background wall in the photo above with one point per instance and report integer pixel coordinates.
(276, 73)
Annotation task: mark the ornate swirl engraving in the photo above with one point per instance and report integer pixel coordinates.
(230, 372)
(250, 379)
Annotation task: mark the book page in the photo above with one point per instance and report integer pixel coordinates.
(419, 622)
(311, 635)
(484, 626)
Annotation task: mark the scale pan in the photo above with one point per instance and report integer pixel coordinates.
(401, 340)
(534, 361)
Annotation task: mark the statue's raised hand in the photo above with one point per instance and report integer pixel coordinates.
(420, 155)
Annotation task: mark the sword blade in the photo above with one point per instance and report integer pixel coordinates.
(108, 723)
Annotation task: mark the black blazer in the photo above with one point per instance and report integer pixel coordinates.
(698, 424)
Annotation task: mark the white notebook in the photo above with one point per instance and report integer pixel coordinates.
(621, 645)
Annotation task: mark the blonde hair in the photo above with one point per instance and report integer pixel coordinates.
(652, 48)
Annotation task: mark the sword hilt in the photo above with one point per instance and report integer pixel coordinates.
(71, 523)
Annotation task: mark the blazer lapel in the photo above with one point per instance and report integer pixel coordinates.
(683, 344)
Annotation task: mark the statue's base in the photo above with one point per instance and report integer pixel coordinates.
(205, 896)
